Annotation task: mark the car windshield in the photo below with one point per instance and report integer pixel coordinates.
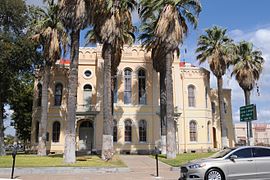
(222, 153)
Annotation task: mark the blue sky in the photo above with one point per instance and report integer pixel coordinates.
(245, 20)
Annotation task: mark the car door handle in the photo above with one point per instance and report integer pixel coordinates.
(250, 160)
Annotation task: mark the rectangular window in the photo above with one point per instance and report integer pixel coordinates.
(142, 92)
(127, 93)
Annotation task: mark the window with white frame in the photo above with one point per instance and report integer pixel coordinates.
(128, 86)
(191, 96)
(58, 94)
(193, 131)
(128, 131)
(142, 131)
(142, 86)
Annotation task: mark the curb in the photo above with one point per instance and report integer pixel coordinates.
(64, 170)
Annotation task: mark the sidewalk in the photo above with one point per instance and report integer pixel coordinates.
(139, 167)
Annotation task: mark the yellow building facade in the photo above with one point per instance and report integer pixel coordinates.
(136, 105)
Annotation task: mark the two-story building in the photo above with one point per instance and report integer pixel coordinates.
(136, 105)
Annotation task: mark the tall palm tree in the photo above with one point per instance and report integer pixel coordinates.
(75, 17)
(215, 47)
(247, 68)
(50, 33)
(166, 23)
(112, 27)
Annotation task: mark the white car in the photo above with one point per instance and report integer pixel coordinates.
(242, 163)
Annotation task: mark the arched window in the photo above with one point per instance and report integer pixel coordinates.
(128, 87)
(37, 131)
(208, 132)
(128, 131)
(115, 131)
(193, 131)
(142, 131)
(87, 95)
(191, 96)
(39, 87)
(142, 87)
(58, 94)
(56, 131)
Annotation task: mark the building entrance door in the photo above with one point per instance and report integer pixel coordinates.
(86, 136)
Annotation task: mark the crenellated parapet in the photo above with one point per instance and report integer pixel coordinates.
(129, 52)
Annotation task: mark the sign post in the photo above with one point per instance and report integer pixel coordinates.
(248, 113)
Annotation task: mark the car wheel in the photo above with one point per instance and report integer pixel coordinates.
(214, 174)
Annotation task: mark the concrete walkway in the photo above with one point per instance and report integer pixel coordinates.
(139, 167)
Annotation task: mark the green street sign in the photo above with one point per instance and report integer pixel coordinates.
(248, 113)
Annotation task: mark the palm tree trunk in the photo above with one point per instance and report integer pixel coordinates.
(223, 127)
(70, 140)
(249, 123)
(44, 112)
(2, 145)
(107, 141)
(171, 133)
(163, 110)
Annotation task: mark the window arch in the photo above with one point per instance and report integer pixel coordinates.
(208, 131)
(128, 131)
(115, 132)
(143, 131)
(58, 94)
(142, 86)
(193, 131)
(191, 96)
(56, 131)
(39, 88)
(87, 95)
(128, 86)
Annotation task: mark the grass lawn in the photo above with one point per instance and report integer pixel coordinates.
(57, 161)
(183, 158)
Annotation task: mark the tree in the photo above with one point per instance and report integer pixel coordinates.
(167, 21)
(21, 103)
(17, 53)
(50, 33)
(247, 67)
(74, 15)
(216, 47)
(112, 27)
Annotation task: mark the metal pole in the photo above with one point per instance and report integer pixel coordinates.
(13, 165)
(248, 142)
(157, 164)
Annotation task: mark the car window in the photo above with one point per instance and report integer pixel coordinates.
(222, 153)
(243, 153)
(261, 152)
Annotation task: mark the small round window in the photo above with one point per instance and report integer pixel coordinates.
(87, 73)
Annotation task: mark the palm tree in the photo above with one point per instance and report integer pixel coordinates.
(50, 33)
(112, 27)
(166, 23)
(248, 66)
(215, 47)
(75, 17)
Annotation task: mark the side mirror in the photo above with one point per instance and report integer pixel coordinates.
(233, 157)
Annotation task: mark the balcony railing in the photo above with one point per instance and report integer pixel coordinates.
(88, 108)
